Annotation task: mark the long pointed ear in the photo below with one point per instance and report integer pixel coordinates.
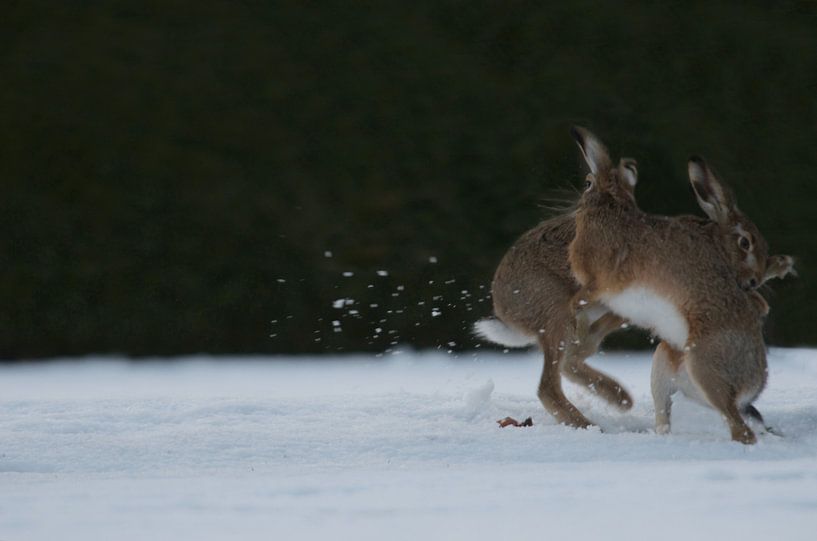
(714, 197)
(593, 150)
(629, 171)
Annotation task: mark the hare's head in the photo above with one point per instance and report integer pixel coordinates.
(617, 181)
(746, 248)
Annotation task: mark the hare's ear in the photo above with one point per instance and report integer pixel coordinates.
(593, 150)
(629, 171)
(713, 196)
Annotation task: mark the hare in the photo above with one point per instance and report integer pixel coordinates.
(532, 289)
(676, 277)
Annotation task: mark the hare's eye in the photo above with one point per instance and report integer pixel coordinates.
(587, 185)
(744, 244)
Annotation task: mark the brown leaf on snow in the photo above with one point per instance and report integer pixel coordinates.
(510, 421)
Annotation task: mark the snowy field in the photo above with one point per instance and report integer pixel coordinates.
(400, 447)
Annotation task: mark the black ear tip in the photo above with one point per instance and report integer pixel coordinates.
(577, 134)
(697, 160)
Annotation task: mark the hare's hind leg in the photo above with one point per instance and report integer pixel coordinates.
(740, 430)
(550, 387)
(752, 412)
(587, 341)
(722, 396)
(665, 363)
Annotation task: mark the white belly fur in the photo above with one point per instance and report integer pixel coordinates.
(645, 308)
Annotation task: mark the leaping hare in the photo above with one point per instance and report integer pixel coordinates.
(676, 277)
(532, 291)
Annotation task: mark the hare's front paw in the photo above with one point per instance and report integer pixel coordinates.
(780, 266)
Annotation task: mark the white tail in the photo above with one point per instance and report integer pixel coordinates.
(493, 330)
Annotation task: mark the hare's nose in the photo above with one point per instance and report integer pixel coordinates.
(752, 283)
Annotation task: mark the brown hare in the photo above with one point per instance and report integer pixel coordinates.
(676, 276)
(532, 289)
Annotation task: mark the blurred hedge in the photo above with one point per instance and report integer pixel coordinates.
(174, 173)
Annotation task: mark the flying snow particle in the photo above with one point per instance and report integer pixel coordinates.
(382, 273)
(348, 274)
(432, 259)
(327, 253)
(435, 312)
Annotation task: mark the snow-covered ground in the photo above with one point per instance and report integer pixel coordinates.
(400, 447)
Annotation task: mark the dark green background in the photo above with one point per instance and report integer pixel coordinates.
(165, 164)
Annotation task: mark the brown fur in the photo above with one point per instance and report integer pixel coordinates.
(691, 265)
(532, 291)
